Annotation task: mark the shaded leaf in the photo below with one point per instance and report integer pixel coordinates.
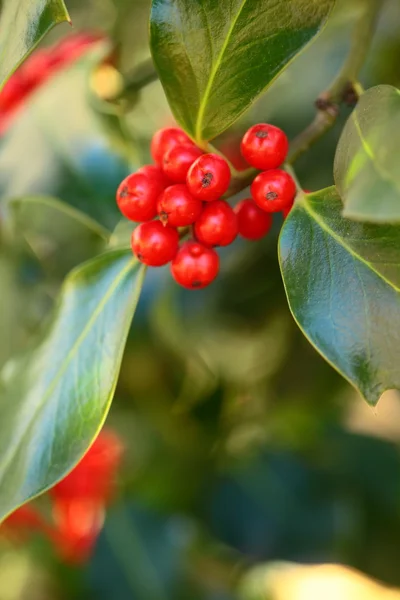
(59, 235)
(215, 58)
(19, 278)
(121, 236)
(367, 158)
(342, 280)
(23, 25)
(55, 400)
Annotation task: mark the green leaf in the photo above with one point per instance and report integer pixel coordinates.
(23, 24)
(215, 58)
(367, 171)
(60, 236)
(17, 316)
(55, 399)
(342, 280)
(46, 239)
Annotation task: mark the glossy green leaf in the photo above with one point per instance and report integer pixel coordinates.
(59, 235)
(121, 236)
(215, 58)
(367, 172)
(342, 280)
(23, 24)
(54, 401)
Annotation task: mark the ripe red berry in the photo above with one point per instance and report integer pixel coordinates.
(165, 139)
(153, 244)
(178, 160)
(195, 266)
(177, 207)
(208, 177)
(264, 146)
(137, 197)
(273, 190)
(217, 224)
(155, 172)
(253, 223)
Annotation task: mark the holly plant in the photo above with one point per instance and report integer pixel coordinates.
(210, 181)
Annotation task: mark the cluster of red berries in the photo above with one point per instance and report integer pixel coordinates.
(78, 503)
(184, 188)
(37, 69)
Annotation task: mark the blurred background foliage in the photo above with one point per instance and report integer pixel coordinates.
(245, 451)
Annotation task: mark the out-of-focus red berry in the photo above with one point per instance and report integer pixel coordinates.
(37, 68)
(78, 503)
(25, 516)
(93, 477)
(78, 523)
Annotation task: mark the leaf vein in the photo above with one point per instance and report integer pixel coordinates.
(307, 207)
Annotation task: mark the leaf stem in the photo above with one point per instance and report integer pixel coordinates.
(210, 148)
(140, 77)
(345, 87)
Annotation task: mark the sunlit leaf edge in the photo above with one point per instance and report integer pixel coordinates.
(74, 275)
(301, 201)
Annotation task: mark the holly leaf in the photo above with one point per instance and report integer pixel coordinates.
(23, 24)
(366, 164)
(53, 401)
(60, 236)
(342, 280)
(215, 58)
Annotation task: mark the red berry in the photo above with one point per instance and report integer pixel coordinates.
(73, 46)
(37, 68)
(137, 197)
(264, 146)
(178, 160)
(217, 224)
(208, 177)
(153, 244)
(177, 207)
(273, 190)
(253, 223)
(155, 172)
(195, 266)
(13, 92)
(165, 139)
